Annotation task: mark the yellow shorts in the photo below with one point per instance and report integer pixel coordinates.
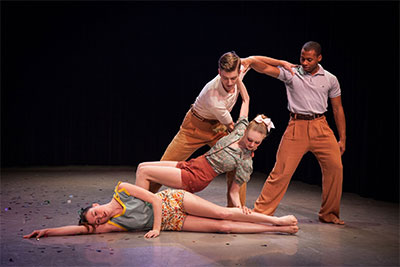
(173, 214)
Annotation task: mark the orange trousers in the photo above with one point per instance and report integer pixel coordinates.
(300, 137)
(192, 135)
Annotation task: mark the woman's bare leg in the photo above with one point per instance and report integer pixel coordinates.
(207, 225)
(159, 163)
(163, 172)
(197, 206)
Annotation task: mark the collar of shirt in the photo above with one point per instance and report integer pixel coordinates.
(302, 72)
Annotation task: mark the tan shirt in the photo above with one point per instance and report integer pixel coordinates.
(214, 103)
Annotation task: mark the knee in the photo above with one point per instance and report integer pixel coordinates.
(225, 214)
(225, 227)
(339, 167)
(140, 171)
(279, 177)
(335, 166)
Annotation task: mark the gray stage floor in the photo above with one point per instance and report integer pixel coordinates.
(50, 197)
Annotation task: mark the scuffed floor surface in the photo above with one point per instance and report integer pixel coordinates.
(34, 198)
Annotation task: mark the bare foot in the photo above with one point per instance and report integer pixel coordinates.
(292, 229)
(334, 221)
(287, 220)
(338, 221)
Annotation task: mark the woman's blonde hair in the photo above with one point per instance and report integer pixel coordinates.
(259, 127)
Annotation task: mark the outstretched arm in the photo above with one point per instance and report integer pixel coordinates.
(63, 230)
(73, 230)
(266, 65)
(151, 198)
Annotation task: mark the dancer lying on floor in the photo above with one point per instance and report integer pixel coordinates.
(232, 152)
(134, 208)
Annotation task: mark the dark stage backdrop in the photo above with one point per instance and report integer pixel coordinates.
(108, 83)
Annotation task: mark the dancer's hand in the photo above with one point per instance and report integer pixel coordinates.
(246, 210)
(152, 233)
(288, 66)
(342, 147)
(220, 128)
(37, 233)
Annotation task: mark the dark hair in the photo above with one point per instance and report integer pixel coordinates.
(229, 62)
(83, 220)
(311, 45)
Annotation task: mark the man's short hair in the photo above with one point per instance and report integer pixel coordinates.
(229, 61)
(311, 45)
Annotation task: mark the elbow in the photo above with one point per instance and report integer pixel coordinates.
(156, 201)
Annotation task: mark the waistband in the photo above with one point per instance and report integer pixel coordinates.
(298, 116)
(195, 114)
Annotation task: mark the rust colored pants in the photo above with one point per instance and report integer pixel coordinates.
(192, 135)
(300, 137)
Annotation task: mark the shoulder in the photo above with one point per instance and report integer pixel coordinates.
(213, 84)
(123, 187)
(240, 125)
(285, 75)
(211, 89)
(243, 120)
(331, 77)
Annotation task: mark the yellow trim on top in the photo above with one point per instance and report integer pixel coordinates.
(117, 225)
(124, 190)
(121, 189)
(116, 197)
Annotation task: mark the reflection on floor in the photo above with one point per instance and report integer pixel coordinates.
(49, 197)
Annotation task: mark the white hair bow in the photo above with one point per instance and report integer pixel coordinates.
(266, 121)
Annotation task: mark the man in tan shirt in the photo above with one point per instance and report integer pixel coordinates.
(209, 118)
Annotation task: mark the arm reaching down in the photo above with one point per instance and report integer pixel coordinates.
(234, 194)
(340, 121)
(244, 109)
(151, 198)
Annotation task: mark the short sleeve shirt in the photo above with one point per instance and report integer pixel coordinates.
(224, 158)
(308, 94)
(214, 103)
